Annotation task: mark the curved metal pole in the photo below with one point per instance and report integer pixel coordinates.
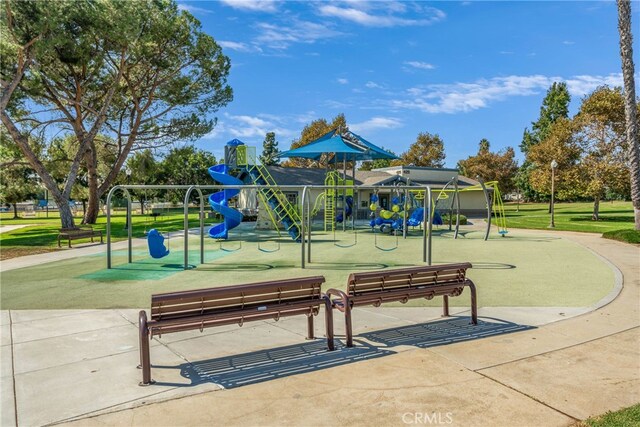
(428, 227)
(488, 200)
(303, 224)
(109, 197)
(186, 226)
(457, 195)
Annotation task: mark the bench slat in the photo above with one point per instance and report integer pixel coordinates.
(195, 322)
(231, 291)
(181, 310)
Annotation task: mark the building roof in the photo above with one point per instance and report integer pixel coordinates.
(316, 176)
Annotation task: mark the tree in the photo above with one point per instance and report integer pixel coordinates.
(500, 166)
(630, 107)
(143, 73)
(310, 133)
(185, 166)
(269, 156)
(600, 130)
(427, 151)
(35, 35)
(368, 165)
(561, 146)
(17, 180)
(555, 106)
(144, 170)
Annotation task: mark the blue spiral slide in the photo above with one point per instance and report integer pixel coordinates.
(219, 200)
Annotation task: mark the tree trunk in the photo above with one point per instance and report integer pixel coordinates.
(630, 107)
(141, 205)
(15, 211)
(93, 208)
(596, 209)
(66, 216)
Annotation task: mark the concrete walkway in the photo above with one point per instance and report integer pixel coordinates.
(520, 366)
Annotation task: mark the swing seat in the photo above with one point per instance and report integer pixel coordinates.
(503, 232)
(155, 240)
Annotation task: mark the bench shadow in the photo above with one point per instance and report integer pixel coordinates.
(443, 332)
(269, 364)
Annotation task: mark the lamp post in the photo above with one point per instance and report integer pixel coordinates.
(127, 172)
(554, 166)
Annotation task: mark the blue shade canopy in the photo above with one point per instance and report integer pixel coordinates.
(352, 146)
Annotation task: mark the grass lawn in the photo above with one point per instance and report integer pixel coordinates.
(571, 216)
(40, 233)
(627, 417)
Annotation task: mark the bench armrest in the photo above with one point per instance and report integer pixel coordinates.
(341, 296)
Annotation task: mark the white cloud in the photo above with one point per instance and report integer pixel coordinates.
(465, 97)
(420, 65)
(252, 128)
(281, 37)
(238, 46)
(568, 42)
(381, 14)
(373, 85)
(343, 81)
(583, 85)
(376, 123)
(506, 52)
(193, 9)
(253, 5)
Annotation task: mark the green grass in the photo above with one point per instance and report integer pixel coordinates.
(42, 232)
(627, 236)
(628, 417)
(571, 216)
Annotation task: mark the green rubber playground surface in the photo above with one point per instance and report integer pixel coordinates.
(520, 269)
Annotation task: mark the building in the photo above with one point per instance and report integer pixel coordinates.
(472, 200)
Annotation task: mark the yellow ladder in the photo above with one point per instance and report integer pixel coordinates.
(283, 209)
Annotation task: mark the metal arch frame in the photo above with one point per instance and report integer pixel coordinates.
(305, 226)
(186, 225)
(488, 200)
(129, 225)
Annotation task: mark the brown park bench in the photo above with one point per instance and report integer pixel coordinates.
(204, 308)
(78, 233)
(401, 285)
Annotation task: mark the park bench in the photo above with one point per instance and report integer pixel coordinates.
(204, 308)
(78, 233)
(401, 285)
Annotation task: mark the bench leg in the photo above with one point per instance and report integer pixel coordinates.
(347, 325)
(445, 306)
(474, 302)
(328, 320)
(310, 334)
(145, 360)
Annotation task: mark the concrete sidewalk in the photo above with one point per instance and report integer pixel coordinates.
(520, 366)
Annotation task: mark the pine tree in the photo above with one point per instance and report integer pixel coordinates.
(270, 151)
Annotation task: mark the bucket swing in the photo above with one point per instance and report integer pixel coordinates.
(155, 241)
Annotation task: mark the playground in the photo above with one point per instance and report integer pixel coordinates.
(543, 298)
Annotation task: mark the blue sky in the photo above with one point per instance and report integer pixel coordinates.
(464, 70)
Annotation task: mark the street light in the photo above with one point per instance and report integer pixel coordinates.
(554, 166)
(127, 172)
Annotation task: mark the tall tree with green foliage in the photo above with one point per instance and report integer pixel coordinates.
(269, 156)
(18, 182)
(426, 151)
(600, 131)
(144, 169)
(310, 133)
(142, 73)
(489, 166)
(185, 166)
(368, 165)
(555, 105)
(630, 106)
